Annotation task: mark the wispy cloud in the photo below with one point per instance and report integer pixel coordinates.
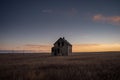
(109, 19)
(66, 12)
(86, 45)
(47, 11)
(73, 12)
(37, 48)
(34, 45)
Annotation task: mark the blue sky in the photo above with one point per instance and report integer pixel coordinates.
(42, 22)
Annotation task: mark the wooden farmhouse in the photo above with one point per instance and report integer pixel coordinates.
(61, 48)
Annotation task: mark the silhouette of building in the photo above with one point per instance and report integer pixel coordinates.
(61, 48)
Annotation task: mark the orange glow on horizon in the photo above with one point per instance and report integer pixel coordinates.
(96, 47)
(75, 48)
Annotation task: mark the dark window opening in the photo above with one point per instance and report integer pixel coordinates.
(58, 43)
(62, 43)
(58, 50)
(52, 50)
(55, 53)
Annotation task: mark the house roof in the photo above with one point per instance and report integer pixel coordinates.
(63, 39)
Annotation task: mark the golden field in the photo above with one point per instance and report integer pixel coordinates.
(77, 66)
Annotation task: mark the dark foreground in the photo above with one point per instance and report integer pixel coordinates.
(81, 66)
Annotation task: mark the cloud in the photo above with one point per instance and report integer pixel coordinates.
(86, 45)
(37, 48)
(108, 19)
(47, 11)
(72, 12)
(67, 12)
(33, 45)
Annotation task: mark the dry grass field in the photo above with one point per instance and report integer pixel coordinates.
(77, 66)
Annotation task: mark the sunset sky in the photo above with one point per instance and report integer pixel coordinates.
(89, 25)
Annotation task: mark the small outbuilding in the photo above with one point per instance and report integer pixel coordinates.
(61, 48)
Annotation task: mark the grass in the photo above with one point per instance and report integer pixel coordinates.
(78, 66)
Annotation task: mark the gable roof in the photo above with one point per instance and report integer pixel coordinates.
(63, 41)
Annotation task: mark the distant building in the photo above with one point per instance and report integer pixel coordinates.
(61, 48)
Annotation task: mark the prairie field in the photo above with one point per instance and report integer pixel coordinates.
(77, 66)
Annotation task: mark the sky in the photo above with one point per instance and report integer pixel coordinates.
(89, 25)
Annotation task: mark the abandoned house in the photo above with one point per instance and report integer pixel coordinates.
(61, 48)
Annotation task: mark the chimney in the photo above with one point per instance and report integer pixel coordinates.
(63, 38)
